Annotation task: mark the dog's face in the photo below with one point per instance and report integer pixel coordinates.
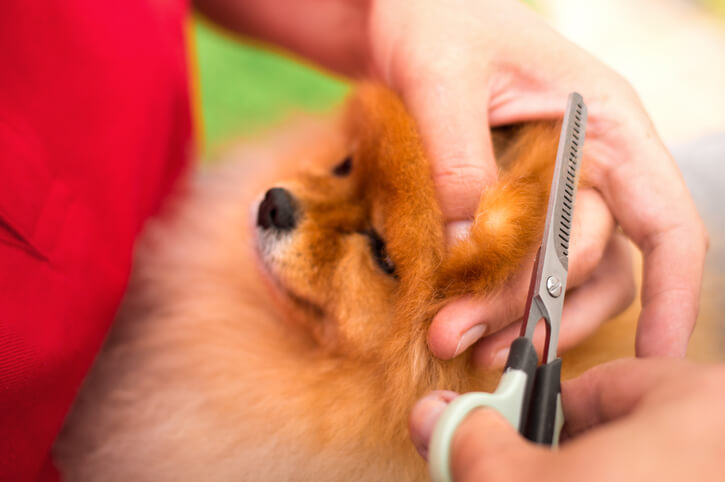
(356, 244)
(318, 241)
(338, 241)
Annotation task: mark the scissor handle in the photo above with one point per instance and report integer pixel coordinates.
(546, 416)
(511, 399)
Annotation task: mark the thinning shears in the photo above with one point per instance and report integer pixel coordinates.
(529, 394)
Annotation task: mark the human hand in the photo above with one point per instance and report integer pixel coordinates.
(465, 66)
(626, 420)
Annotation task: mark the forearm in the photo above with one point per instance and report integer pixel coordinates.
(332, 33)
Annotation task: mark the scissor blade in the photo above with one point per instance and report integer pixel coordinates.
(548, 283)
(566, 173)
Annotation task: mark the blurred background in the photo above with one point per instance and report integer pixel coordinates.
(672, 51)
(662, 46)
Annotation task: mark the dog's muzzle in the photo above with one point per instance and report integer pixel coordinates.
(278, 211)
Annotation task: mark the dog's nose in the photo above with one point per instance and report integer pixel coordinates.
(278, 210)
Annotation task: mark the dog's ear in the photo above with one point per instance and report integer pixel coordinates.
(395, 173)
(510, 216)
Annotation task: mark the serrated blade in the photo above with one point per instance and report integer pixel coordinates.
(548, 281)
(566, 174)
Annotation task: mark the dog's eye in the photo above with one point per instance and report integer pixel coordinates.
(344, 168)
(380, 254)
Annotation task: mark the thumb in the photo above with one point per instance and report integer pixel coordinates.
(453, 123)
(487, 448)
(484, 446)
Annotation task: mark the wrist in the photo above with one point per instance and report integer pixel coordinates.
(331, 33)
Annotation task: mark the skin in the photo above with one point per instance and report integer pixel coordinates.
(626, 420)
(463, 66)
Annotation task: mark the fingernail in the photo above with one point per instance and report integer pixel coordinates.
(428, 411)
(457, 231)
(471, 336)
(499, 359)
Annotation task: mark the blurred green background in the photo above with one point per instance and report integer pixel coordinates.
(244, 87)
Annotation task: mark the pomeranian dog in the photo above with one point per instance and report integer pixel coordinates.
(275, 326)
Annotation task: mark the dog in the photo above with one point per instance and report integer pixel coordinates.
(275, 324)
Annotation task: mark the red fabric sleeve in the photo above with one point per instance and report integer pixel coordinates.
(94, 128)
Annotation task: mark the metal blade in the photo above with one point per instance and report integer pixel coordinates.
(566, 173)
(548, 284)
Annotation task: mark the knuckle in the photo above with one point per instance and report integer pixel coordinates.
(454, 168)
(459, 189)
(628, 89)
(625, 90)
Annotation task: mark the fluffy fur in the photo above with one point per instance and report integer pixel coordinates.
(241, 354)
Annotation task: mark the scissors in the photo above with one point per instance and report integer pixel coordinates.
(529, 396)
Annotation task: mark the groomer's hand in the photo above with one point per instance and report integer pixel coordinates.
(628, 420)
(463, 66)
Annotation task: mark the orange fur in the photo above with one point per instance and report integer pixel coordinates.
(305, 368)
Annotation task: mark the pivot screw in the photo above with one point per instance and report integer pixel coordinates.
(553, 285)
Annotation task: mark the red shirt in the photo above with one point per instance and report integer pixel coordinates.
(94, 128)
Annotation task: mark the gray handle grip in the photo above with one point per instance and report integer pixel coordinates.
(508, 400)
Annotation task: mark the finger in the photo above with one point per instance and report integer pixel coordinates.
(423, 418)
(608, 292)
(592, 229)
(455, 132)
(487, 447)
(651, 202)
(673, 267)
(611, 391)
(463, 321)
